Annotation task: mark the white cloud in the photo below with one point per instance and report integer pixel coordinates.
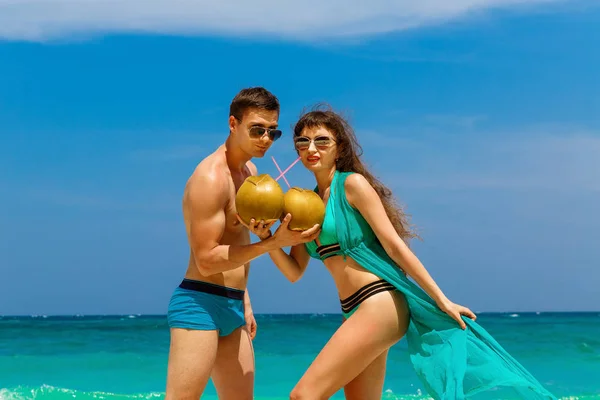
(40, 20)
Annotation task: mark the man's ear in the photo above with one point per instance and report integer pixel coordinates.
(233, 123)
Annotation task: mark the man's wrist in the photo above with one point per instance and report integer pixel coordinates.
(266, 237)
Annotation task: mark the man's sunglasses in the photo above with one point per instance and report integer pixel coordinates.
(256, 132)
(321, 142)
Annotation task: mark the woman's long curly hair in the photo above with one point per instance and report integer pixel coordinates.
(349, 160)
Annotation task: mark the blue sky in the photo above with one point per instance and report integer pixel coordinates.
(485, 121)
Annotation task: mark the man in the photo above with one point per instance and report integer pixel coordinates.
(210, 316)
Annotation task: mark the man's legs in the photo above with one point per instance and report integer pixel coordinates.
(191, 359)
(233, 373)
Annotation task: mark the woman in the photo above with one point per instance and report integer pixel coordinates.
(362, 243)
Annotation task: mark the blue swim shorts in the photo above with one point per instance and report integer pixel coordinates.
(205, 306)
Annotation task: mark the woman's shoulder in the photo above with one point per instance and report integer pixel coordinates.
(353, 185)
(353, 181)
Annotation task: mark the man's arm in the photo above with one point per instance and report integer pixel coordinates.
(206, 197)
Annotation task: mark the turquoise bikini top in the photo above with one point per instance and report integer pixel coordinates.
(328, 244)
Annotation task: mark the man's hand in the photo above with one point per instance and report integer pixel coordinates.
(259, 228)
(250, 323)
(283, 235)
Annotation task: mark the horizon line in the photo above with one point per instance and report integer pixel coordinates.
(135, 315)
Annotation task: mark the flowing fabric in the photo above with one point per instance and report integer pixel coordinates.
(452, 363)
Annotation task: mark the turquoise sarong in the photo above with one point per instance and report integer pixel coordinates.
(452, 363)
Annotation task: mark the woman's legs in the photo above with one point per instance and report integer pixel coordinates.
(360, 344)
(368, 385)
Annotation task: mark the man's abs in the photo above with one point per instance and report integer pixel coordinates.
(235, 279)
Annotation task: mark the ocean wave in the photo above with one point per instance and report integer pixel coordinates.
(47, 392)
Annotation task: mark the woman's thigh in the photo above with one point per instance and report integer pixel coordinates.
(379, 323)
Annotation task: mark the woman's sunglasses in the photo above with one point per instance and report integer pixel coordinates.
(256, 132)
(321, 142)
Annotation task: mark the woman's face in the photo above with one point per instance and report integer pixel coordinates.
(317, 148)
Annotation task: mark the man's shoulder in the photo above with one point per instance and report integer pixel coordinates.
(210, 167)
(209, 179)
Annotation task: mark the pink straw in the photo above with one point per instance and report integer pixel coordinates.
(282, 173)
(286, 170)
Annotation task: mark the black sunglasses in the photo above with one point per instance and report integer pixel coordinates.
(256, 132)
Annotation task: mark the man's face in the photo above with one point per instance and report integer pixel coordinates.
(257, 131)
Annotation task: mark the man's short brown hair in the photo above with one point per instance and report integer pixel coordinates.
(255, 97)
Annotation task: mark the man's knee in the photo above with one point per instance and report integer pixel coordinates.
(183, 388)
(182, 394)
(237, 396)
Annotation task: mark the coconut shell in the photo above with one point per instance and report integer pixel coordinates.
(306, 207)
(259, 197)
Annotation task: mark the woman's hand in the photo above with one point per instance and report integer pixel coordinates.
(456, 311)
(287, 237)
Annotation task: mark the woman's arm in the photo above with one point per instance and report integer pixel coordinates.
(364, 198)
(292, 265)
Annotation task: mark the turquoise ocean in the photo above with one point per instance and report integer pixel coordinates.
(125, 357)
